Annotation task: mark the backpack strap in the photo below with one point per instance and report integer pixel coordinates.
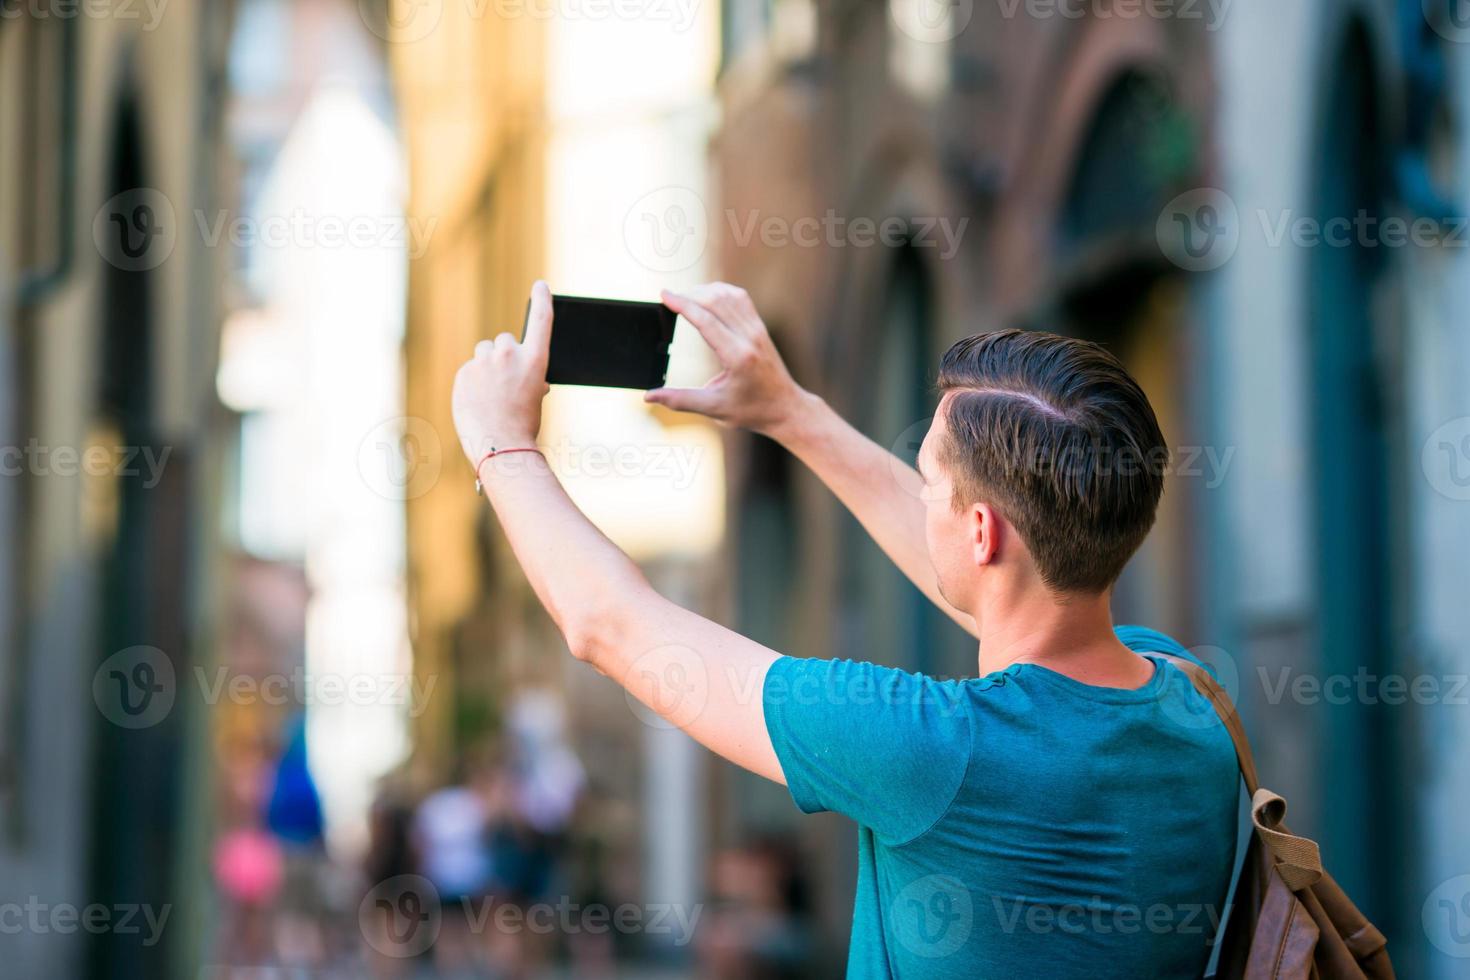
(1297, 858)
(1212, 692)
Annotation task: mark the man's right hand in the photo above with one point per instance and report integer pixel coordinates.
(754, 390)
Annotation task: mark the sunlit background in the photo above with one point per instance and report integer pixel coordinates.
(275, 699)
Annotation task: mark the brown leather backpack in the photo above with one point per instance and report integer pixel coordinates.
(1289, 919)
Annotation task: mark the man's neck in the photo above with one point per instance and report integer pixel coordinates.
(1039, 628)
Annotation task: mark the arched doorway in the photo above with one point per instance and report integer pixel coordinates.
(1116, 288)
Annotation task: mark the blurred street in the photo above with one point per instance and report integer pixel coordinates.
(275, 698)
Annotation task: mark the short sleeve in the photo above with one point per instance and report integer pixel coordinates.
(886, 747)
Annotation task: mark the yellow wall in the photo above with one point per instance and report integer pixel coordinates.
(470, 94)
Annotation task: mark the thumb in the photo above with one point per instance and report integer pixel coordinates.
(701, 400)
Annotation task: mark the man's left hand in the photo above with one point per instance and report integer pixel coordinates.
(497, 394)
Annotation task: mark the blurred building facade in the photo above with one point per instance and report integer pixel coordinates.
(1126, 177)
(471, 92)
(108, 306)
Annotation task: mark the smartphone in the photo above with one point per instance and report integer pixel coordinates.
(610, 343)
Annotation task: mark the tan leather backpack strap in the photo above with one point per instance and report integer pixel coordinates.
(1298, 859)
(1210, 688)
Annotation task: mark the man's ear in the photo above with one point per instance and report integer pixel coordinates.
(985, 533)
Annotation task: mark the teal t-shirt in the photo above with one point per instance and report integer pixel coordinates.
(1021, 824)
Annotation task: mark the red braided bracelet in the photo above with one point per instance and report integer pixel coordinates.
(480, 487)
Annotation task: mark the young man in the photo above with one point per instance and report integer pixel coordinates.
(1068, 812)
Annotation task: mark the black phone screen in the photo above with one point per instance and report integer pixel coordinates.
(610, 343)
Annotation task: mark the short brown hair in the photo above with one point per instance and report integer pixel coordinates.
(1055, 434)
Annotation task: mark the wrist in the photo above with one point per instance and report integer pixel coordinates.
(505, 438)
(789, 426)
(512, 456)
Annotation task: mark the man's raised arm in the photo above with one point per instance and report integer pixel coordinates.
(696, 674)
(755, 391)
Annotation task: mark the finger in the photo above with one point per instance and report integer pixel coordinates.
(505, 341)
(701, 400)
(731, 304)
(538, 320)
(721, 338)
(484, 348)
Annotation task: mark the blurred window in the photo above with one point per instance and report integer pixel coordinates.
(743, 24)
(261, 48)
